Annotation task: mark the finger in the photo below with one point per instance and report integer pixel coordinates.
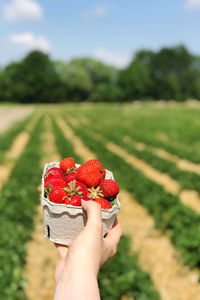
(114, 234)
(62, 249)
(93, 211)
(115, 222)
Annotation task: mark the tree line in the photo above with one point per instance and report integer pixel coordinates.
(171, 73)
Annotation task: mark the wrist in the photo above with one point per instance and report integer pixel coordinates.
(77, 282)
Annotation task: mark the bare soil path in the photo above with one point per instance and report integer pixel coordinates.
(156, 254)
(11, 114)
(16, 149)
(42, 255)
(182, 164)
(189, 198)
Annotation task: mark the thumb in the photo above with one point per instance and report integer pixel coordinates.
(93, 210)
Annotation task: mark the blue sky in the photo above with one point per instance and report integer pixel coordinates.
(111, 31)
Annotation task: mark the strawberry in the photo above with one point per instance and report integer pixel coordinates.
(82, 188)
(67, 164)
(66, 201)
(105, 204)
(96, 163)
(57, 194)
(70, 177)
(109, 188)
(76, 188)
(75, 201)
(55, 182)
(85, 198)
(89, 174)
(54, 172)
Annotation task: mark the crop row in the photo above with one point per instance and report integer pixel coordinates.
(8, 137)
(122, 275)
(65, 147)
(183, 151)
(180, 223)
(146, 124)
(187, 180)
(18, 203)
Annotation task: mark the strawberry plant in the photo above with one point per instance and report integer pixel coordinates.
(122, 275)
(8, 137)
(180, 223)
(18, 203)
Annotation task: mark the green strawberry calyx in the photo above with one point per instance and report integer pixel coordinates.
(95, 193)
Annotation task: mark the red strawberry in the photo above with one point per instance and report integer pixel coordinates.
(70, 177)
(67, 201)
(57, 195)
(96, 163)
(55, 182)
(76, 188)
(75, 201)
(89, 174)
(105, 204)
(85, 198)
(109, 188)
(67, 164)
(54, 172)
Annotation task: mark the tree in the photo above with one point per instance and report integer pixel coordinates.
(76, 81)
(32, 80)
(136, 80)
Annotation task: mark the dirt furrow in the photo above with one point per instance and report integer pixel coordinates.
(79, 147)
(16, 149)
(11, 114)
(156, 253)
(181, 163)
(42, 255)
(189, 198)
(169, 184)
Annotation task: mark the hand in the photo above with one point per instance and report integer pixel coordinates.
(87, 254)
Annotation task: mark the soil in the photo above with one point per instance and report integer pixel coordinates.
(169, 184)
(181, 163)
(16, 149)
(156, 254)
(11, 114)
(42, 255)
(79, 147)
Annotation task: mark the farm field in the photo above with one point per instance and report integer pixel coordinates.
(154, 153)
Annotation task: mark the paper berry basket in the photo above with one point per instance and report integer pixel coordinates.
(62, 223)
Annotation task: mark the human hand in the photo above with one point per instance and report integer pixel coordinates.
(87, 254)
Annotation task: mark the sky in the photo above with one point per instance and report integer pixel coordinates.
(111, 31)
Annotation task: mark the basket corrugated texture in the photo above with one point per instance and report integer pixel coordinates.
(62, 223)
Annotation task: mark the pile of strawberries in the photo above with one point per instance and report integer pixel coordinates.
(68, 185)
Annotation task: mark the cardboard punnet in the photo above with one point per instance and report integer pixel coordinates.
(62, 223)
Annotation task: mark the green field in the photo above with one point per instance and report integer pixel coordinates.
(141, 144)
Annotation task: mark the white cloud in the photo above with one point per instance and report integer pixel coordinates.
(96, 12)
(22, 10)
(192, 4)
(119, 60)
(29, 41)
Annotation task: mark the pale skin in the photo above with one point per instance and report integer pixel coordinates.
(76, 272)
